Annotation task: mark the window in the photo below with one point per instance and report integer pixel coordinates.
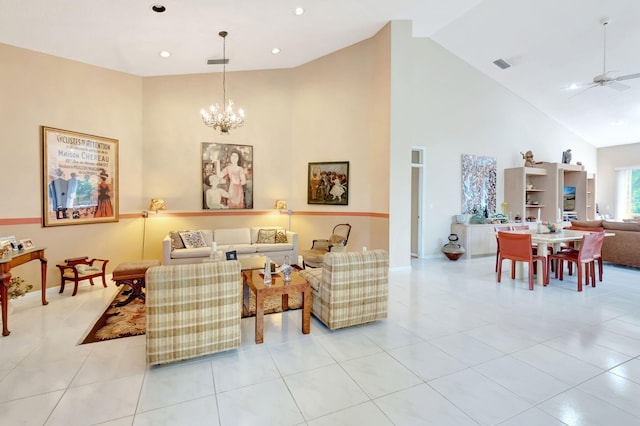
(628, 193)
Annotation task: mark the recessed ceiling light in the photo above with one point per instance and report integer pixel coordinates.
(165, 54)
(275, 50)
(572, 86)
(158, 8)
(298, 11)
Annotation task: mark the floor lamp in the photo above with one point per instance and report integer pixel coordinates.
(282, 205)
(156, 205)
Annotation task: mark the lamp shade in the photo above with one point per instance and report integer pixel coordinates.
(157, 204)
(280, 205)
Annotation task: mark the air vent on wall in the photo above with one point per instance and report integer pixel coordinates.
(502, 64)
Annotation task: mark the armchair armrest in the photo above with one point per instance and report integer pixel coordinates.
(320, 245)
(100, 263)
(166, 250)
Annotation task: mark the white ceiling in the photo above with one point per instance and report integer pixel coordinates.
(550, 43)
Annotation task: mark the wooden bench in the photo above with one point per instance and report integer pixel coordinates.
(77, 269)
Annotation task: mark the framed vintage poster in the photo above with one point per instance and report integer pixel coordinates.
(227, 176)
(79, 178)
(328, 183)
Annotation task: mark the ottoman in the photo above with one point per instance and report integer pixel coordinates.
(132, 274)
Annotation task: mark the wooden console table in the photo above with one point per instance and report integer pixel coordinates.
(16, 259)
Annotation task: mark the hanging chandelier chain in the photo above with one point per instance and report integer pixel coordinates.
(223, 34)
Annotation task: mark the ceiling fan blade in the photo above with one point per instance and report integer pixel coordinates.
(627, 77)
(617, 86)
(583, 90)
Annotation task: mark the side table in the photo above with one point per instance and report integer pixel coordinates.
(254, 280)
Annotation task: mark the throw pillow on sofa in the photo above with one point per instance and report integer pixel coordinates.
(192, 239)
(176, 240)
(281, 237)
(266, 236)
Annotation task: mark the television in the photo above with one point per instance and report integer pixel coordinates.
(569, 198)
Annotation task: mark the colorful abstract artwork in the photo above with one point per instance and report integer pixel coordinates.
(479, 175)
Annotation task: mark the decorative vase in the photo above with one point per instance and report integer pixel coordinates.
(267, 272)
(452, 249)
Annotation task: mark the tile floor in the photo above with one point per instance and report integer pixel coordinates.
(457, 349)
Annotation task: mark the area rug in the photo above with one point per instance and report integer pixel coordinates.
(118, 321)
(129, 320)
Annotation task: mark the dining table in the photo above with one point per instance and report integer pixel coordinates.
(544, 240)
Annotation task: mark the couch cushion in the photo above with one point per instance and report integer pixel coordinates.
(621, 226)
(186, 253)
(193, 239)
(266, 236)
(587, 223)
(239, 248)
(313, 275)
(232, 236)
(261, 248)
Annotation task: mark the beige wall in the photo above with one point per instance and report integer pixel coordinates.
(333, 109)
(609, 159)
(40, 90)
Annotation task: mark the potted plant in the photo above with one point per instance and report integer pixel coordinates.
(18, 288)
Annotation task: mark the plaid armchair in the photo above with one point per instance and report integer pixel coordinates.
(351, 288)
(192, 310)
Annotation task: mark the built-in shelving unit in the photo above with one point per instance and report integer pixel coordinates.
(526, 190)
(540, 191)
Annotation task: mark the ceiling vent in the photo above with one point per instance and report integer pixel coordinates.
(502, 64)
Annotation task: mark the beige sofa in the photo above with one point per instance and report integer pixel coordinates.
(621, 248)
(245, 241)
(192, 310)
(350, 288)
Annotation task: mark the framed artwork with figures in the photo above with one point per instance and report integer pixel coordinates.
(328, 183)
(79, 178)
(227, 176)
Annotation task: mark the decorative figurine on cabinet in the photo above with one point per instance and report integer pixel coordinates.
(566, 157)
(528, 159)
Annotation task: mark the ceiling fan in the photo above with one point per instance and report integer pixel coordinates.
(606, 79)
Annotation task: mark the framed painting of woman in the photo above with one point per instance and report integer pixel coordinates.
(227, 176)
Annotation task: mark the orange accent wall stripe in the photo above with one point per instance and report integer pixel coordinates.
(21, 221)
(37, 220)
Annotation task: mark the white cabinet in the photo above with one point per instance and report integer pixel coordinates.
(477, 240)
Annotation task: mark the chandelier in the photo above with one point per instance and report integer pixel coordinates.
(223, 118)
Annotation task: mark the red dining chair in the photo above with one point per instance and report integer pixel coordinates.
(571, 247)
(589, 249)
(500, 229)
(517, 248)
(534, 245)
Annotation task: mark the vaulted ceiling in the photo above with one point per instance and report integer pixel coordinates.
(549, 44)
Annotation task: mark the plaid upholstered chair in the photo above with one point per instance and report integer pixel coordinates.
(351, 288)
(192, 310)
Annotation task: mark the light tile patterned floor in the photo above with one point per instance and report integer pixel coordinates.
(457, 349)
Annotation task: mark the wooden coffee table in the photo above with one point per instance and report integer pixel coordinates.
(254, 280)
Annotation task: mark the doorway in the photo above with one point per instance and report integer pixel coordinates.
(417, 185)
